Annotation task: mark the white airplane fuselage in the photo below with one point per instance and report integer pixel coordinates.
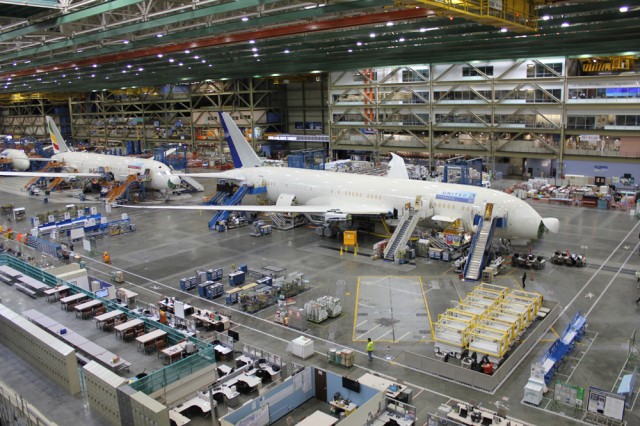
(121, 167)
(319, 187)
(19, 159)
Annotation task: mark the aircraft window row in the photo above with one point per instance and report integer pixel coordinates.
(339, 192)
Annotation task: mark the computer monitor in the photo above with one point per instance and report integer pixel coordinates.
(102, 293)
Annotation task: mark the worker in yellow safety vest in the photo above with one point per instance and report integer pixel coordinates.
(370, 348)
(106, 257)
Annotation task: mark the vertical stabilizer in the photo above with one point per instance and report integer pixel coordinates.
(397, 168)
(242, 153)
(56, 138)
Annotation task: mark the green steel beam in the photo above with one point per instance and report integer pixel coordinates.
(67, 18)
(45, 4)
(226, 28)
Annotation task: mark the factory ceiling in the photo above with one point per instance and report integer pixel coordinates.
(84, 45)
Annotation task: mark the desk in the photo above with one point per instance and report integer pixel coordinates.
(52, 294)
(38, 286)
(112, 361)
(243, 360)
(178, 418)
(341, 406)
(453, 414)
(223, 351)
(204, 318)
(223, 370)
(387, 416)
(86, 309)
(101, 319)
(382, 384)
(250, 381)
(40, 319)
(167, 305)
(172, 353)
(201, 400)
(121, 328)
(150, 338)
(9, 272)
(318, 418)
(226, 394)
(70, 300)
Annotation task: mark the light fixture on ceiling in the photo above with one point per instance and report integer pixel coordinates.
(564, 25)
(389, 24)
(359, 43)
(624, 9)
(287, 51)
(503, 30)
(372, 35)
(546, 17)
(159, 55)
(401, 39)
(244, 19)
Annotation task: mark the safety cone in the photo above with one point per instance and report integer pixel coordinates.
(341, 251)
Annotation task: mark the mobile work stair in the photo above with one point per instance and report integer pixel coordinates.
(218, 199)
(54, 183)
(401, 235)
(480, 245)
(197, 186)
(51, 166)
(234, 200)
(119, 190)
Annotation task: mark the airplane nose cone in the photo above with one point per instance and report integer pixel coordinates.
(174, 181)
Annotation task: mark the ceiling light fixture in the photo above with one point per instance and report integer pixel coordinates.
(503, 30)
(287, 51)
(359, 43)
(401, 39)
(546, 17)
(245, 19)
(624, 9)
(372, 35)
(252, 41)
(389, 24)
(160, 55)
(565, 24)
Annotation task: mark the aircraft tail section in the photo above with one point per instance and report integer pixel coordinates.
(397, 168)
(242, 153)
(56, 138)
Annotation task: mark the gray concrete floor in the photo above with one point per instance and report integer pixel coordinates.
(169, 245)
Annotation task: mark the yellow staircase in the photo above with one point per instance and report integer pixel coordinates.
(54, 183)
(49, 167)
(117, 191)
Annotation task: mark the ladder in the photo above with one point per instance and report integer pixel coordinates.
(401, 235)
(480, 246)
(234, 200)
(117, 191)
(49, 167)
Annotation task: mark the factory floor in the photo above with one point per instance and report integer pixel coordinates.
(169, 245)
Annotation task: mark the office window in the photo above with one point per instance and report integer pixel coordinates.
(477, 71)
(544, 70)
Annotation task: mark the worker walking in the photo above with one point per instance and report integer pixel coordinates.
(106, 257)
(370, 348)
(524, 278)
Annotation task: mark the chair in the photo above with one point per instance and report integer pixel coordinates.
(99, 311)
(149, 347)
(160, 345)
(128, 335)
(108, 325)
(140, 332)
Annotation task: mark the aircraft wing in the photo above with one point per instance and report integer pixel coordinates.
(354, 210)
(215, 175)
(51, 175)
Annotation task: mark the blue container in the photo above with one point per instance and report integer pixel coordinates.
(236, 278)
(214, 290)
(265, 281)
(243, 268)
(202, 289)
